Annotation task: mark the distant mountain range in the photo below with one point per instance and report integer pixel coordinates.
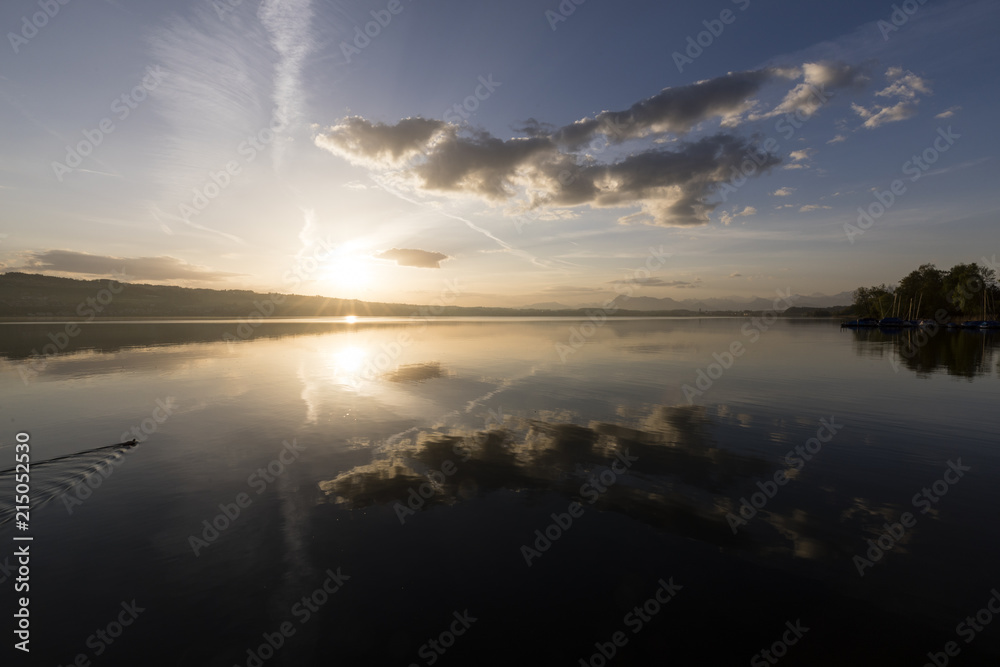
(645, 303)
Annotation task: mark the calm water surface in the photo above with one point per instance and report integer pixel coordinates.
(547, 482)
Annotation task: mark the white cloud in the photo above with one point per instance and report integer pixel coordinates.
(783, 192)
(904, 86)
(728, 216)
(819, 79)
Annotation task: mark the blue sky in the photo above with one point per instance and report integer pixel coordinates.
(260, 145)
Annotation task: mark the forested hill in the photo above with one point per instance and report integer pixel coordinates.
(32, 295)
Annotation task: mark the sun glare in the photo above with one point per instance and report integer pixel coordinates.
(349, 360)
(348, 273)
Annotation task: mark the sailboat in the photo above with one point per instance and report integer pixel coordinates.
(989, 324)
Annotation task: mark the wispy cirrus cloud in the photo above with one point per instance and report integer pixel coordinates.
(288, 25)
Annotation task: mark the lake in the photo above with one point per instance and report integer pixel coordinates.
(504, 491)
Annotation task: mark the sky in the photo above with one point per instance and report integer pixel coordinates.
(511, 153)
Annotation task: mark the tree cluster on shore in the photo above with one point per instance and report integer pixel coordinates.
(958, 292)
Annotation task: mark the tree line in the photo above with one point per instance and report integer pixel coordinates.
(958, 292)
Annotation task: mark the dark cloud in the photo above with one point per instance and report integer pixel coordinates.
(671, 186)
(482, 164)
(422, 259)
(355, 137)
(533, 128)
(134, 268)
(674, 110)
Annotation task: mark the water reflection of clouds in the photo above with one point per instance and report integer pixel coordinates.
(683, 480)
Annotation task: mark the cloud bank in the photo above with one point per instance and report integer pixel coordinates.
(556, 167)
(140, 268)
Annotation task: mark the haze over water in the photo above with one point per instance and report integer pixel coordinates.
(509, 435)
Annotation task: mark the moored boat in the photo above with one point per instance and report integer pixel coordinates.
(862, 323)
(893, 322)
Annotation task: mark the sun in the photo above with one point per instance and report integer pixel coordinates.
(348, 273)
